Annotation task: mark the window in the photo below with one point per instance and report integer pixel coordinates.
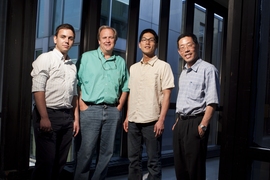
(262, 122)
(74, 53)
(114, 13)
(201, 39)
(199, 27)
(217, 41)
(37, 53)
(261, 136)
(41, 30)
(67, 11)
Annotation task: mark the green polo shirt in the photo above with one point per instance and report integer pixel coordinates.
(101, 80)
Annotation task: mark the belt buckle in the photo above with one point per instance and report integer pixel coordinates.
(184, 117)
(181, 117)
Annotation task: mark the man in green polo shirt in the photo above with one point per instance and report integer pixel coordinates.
(103, 81)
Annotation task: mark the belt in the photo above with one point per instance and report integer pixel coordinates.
(100, 104)
(61, 110)
(191, 116)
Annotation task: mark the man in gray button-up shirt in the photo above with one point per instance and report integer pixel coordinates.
(198, 97)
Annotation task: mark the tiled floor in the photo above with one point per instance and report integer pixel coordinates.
(212, 166)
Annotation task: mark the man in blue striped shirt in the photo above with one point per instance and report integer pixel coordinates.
(198, 97)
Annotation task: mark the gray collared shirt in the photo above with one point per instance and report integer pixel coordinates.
(198, 87)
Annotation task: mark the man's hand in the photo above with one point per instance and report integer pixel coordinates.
(125, 125)
(119, 107)
(76, 128)
(45, 125)
(200, 131)
(159, 128)
(82, 105)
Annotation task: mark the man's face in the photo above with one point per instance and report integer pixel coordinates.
(106, 40)
(188, 50)
(64, 40)
(148, 44)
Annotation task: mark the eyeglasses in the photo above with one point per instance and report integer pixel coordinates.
(151, 40)
(108, 65)
(183, 47)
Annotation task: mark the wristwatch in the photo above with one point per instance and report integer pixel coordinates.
(203, 127)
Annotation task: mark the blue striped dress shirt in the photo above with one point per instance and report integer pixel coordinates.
(198, 87)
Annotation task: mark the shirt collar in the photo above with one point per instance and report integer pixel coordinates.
(151, 62)
(195, 66)
(101, 54)
(60, 55)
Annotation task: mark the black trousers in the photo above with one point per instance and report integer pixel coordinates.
(190, 149)
(52, 147)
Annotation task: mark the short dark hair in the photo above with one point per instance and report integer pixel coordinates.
(188, 34)
(64, 26)
(107, 27)
(149, 31)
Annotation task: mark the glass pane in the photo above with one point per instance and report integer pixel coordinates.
(261, 126)
(149, 18)
(72, 13)
(114, 13)
(38, 52)
(41, 19)
(199, 26)
(57, 15)
(105, 12)
(217, 61)
(119, 17)
(120, 53)
(74, 53)
(262, 122)
(260, 170)
(261, 134)
(217, 42)
(149, 12)
(67, 11)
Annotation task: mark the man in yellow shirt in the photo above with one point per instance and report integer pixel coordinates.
(150, 84)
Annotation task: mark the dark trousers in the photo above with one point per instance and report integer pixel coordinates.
(52, 147)
(138, 134)
(189, 149)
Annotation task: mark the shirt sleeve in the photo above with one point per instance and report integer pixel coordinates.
(40, 73)
(212, 86)
(125, 79)
(167, 78)
(79, 70)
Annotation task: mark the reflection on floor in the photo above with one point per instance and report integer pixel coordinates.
(212, 166)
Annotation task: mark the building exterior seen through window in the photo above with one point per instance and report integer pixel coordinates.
(67, 11)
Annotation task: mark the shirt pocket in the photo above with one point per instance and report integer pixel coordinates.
(195, 91)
